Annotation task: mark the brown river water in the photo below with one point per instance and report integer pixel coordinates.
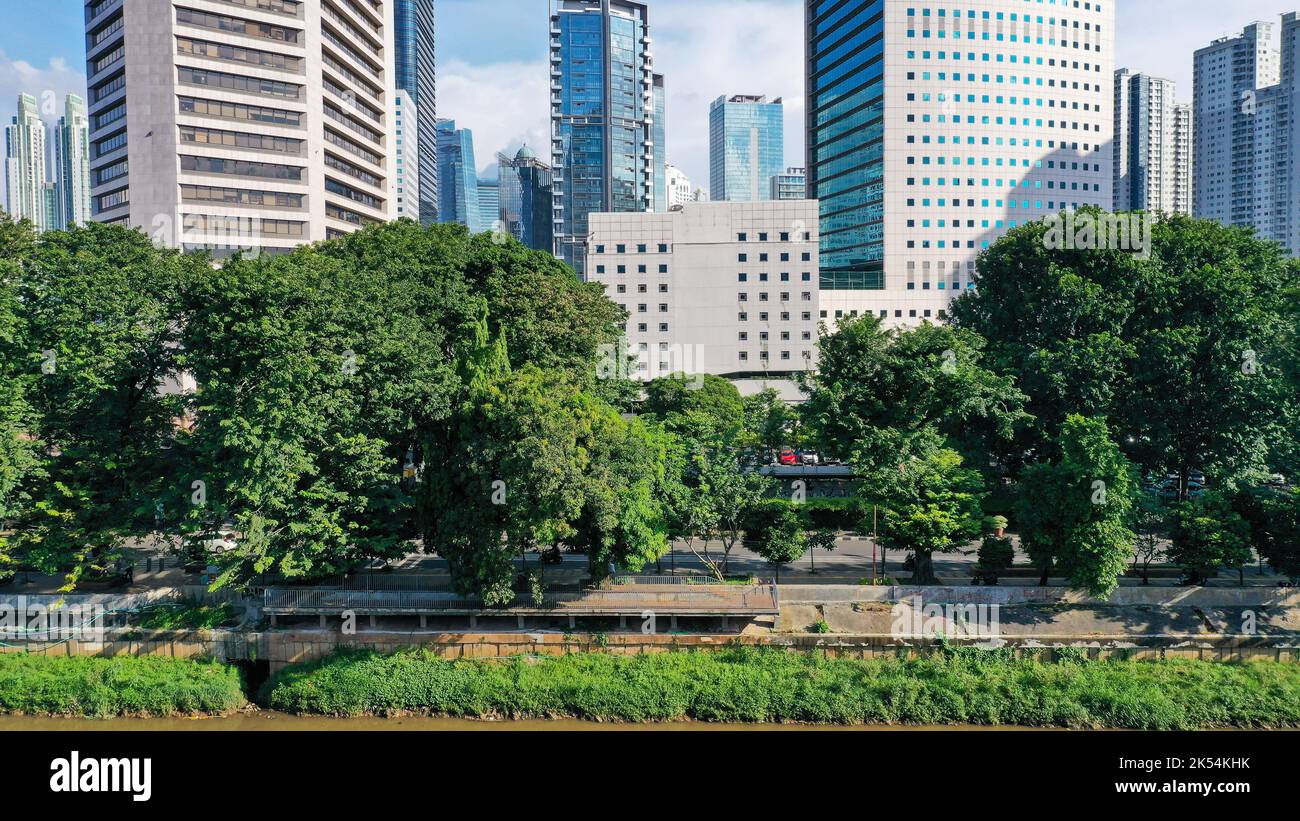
(270, 720)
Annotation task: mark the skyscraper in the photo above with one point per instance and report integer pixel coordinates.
(660, 148)
(489, 204)
(746, 146)
(602, 103)
(932, 130)
(416, 71)
(525, 190)
(680, 190)
(1152, 138)
(256, 125)
(25, 165)
(72, 164)
(407, 178)
(457, 176)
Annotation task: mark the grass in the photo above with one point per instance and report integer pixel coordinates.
(122, 686)
(765, 685)
(189, 616)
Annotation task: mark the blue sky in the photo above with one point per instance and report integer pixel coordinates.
(492, 59)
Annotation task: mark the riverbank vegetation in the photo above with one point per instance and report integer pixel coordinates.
(959, 686)
(96, 687)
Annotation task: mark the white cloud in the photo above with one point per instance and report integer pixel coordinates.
(504, 104)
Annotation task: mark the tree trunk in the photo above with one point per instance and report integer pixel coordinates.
(923, 568)
(1047, 572)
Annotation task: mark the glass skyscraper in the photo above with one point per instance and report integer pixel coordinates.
(457, 176)
(846, 138)
(746, 147)
(489, 204)
(525, 190)
(602, 102)
(413, 26)
(661, 144)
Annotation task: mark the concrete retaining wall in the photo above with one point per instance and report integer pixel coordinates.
(1152, 596)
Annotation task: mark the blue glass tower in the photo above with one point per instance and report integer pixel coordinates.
(746, 147)
(415, 60)
(845, 87)
(602, 103)
(457, 176)
(661, 144)
(526, 199)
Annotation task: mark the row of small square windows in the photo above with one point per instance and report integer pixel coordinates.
(998, 161)
(970, 13)
(743, 296)
(987, 120)
(762, 236)
(806, 276)
(985, 99)
(785, 355)
(743, 336)
(970, 181)
(999, 79)
(898, 314)
(1000, 38)
(1015, 59)
(743, 316)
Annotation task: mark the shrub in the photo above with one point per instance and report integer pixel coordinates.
(124, 685)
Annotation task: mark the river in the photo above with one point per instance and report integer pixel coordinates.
(271, 720)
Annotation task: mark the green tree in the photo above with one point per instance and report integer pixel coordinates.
(1273, 517)
(1207, 534)
(1183, 352)
(933, 506)
(19, 458)
(782, 538)
(770, 423)
(1074, 514)
(1150, 523)
(101, 307)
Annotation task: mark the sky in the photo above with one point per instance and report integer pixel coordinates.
(493, 72)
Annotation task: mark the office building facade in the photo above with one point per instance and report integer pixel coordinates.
(790, 184)
(679, 187)
(489, 205)
(457, 177)
(725, 288)
(603, 153)
(525, 192)
(406, 160)
(25, 165)
(241, 124)
(1152, 138)
(933, 129)
(746, 146)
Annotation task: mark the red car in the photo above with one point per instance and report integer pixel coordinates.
(788, 457)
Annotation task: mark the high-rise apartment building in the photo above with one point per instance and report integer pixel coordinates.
(603, 151)
(1152, 141)
(413, 25)
(25, 160)
(933, 129)
(1226, 76)
(72, 164)
(526, 198)
(726, 288)
(746, 146)
(457, 176)
(232, 124)
(790, 184)
(1246, 131)
(659, 132)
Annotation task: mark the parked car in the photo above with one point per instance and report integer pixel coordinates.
(809, 457)
(788, 457)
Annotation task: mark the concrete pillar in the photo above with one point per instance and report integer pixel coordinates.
(372, 621)
(622, 622)
(572, 622)
(473, 622)
(273, 620)
(673, 622)
(322, 620)
(519, 620)
(424, 622)
(726, 623)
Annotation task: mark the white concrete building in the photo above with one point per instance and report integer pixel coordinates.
(726, 288)
(958, 122)
(1152, 141)
(229, 124)
(72, 164)
(406, 161)
(679, 187)
(25, 175)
